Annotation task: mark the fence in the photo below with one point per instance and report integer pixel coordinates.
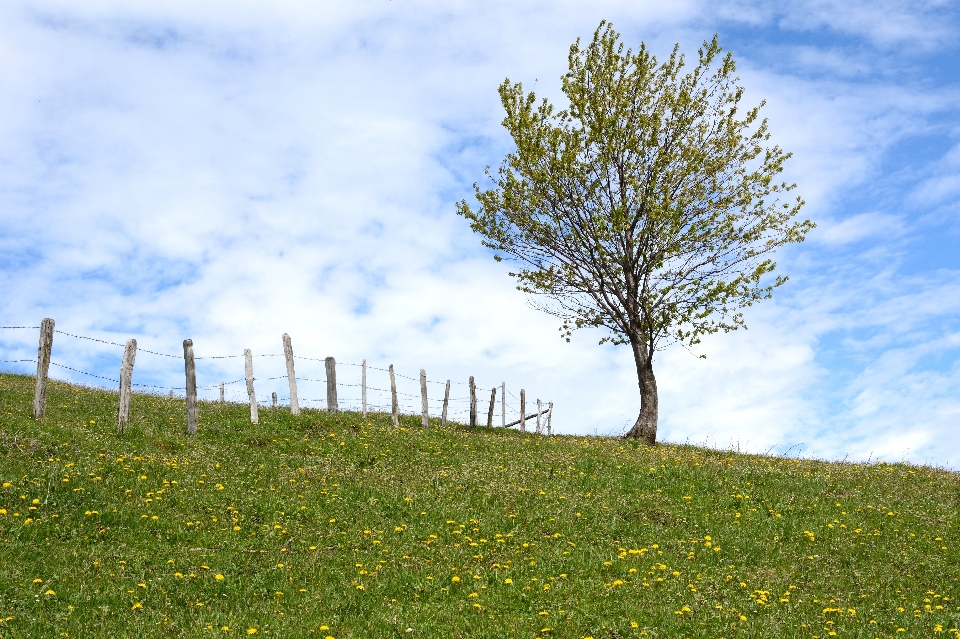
(450, 409)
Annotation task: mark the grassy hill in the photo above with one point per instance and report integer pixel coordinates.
(334, 526)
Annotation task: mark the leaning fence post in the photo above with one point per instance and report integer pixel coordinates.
(273, 398)
(221, 393)
(331, 365)
(291, 375)
(43, 368)
(550, 420)
(363, 390)
(395, 407)
(251, 395)
(523, 411)
(423, 399)
(539, 410)
(493, 401)
(473, 402)
(446, 403)
(191, 372)
(126, 380)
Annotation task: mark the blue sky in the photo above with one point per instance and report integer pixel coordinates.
(229, 172)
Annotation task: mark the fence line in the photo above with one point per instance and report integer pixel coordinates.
(332, 403)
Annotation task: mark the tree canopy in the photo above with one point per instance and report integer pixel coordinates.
(647, 207)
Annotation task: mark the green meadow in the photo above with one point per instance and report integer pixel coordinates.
(330, 525)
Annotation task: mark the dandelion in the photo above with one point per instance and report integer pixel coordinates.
(508, 580)
(219, 577)
(137, 606)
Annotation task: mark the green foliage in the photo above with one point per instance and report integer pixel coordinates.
(450, 532)
(648, 206)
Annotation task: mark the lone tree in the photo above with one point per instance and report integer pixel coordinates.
(648, 207)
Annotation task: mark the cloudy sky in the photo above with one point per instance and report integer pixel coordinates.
(232, 171)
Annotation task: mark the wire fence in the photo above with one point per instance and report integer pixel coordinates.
(349, 386)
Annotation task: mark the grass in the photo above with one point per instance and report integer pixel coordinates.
(335, 526)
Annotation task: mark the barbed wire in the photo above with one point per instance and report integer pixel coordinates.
(115, 381)
(415, 409)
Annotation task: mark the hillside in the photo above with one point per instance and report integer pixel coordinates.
(332, 526)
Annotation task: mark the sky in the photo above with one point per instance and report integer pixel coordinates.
(229, 172)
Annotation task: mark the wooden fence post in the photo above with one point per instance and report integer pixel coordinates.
(423, 399)
(191, 372)
(473, 402)
(273, 397)
(493, 401)
(363, 390)
(221, 393)
(503, 405)
(251, 394)
(395, 407)
(539, 410)
(43, 368)
(171, 393)
(523, 411)
(446, 404)
(126, 381)
(331, 365)
(550, 420)
(291, 375)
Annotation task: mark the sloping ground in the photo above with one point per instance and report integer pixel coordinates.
(330, 525)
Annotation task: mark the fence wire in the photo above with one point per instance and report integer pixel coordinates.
(404, 405)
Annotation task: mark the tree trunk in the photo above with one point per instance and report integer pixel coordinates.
(645, 428)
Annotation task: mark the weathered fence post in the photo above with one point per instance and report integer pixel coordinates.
(550, 420)
(363, 390)
(331, 365)
(273, 398)
(503, 405)
(394, 406)
(539, 410)
(191, 372)
(251, 394)
(171, 393)
(43, 368)
(523, 411)
(126, 381)
(291, 375)
(222, 399)
(473, 402)
(493, 400)
(423, 399)
(446, 404)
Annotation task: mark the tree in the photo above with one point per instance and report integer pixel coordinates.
(647, 207)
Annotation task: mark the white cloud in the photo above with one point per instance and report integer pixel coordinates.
(233, 172)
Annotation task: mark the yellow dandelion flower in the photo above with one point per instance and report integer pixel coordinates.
(219, 577)
(252, 631)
